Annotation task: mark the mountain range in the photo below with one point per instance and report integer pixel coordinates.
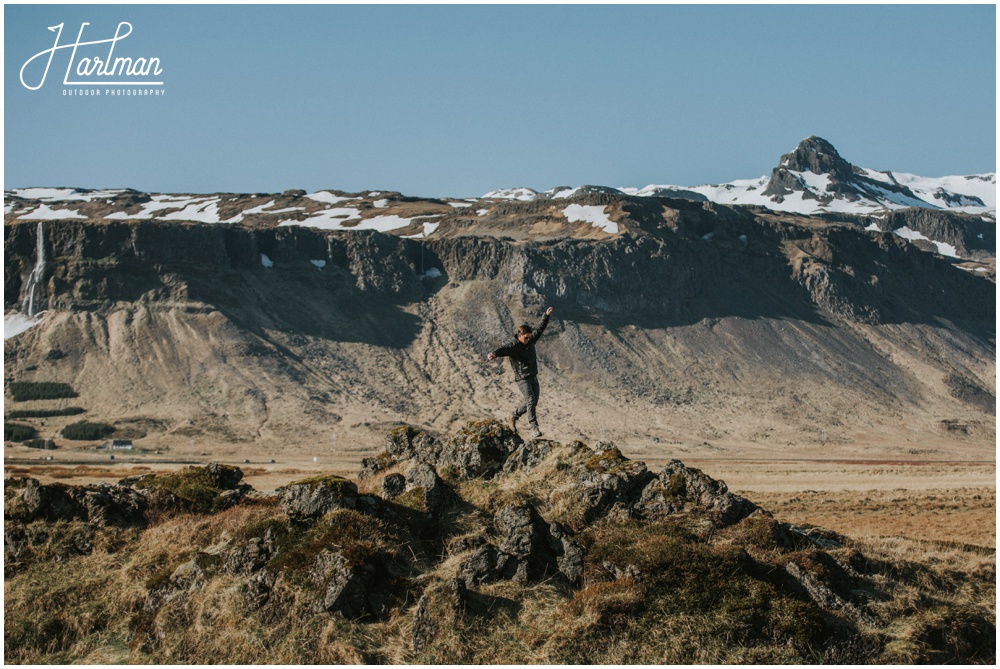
(302, 322)
(815, 179)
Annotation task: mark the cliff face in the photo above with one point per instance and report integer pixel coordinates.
(678, 263)
(724, 311)
(971, 236)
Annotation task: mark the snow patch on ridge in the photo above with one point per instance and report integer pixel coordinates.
(593, 214)
(328, 219)
(46, 213)
(326, 197)
(64, 194)
(524, 194)
(943, 248)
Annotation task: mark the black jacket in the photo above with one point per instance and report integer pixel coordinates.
(523, 360)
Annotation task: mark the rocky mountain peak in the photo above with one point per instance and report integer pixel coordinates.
(816, 155)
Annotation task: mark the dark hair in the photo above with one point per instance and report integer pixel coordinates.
(524, 330)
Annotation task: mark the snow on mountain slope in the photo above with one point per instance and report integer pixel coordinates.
(815, 179)
(931, 190)
(811, 179)
(974, 194)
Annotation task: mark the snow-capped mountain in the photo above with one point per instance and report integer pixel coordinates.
(815, 179)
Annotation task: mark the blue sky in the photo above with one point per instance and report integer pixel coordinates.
(458, 100)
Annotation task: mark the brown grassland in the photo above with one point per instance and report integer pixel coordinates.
(922, 535)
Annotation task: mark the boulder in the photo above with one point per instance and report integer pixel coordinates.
(679, 488)
(437, 494)
(568, 553)
(258, 589)
(15, 542)
(112, 505)
(609, 480)
(479, 450)
(825, 597)
(402, 444)
(481, 566)
(312, 498)
(25, 500)
(527, 456)
(225, 477)
(409, 443)
(393, 486)
(425, 626)
(251, 556)
(435, 609)
(341, 586)
(528, 549)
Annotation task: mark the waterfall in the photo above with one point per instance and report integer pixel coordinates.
(35, 280)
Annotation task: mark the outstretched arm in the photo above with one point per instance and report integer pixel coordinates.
(541, 326)
(500, 352)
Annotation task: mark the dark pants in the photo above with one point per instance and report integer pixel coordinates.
(528, 388)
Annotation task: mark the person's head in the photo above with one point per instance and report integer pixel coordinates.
(524, 334)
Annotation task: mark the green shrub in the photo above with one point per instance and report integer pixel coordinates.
(22, 391)
(84, 431)
(46, 413)
(18, 432)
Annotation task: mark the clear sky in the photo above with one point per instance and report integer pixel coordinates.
(459, 100)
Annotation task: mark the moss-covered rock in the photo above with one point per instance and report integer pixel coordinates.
(206, 489)
(479, 450)
(314, 497)
(680, 489)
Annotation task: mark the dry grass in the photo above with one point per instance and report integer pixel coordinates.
(961, 515)
(693, 598)
(693, 602)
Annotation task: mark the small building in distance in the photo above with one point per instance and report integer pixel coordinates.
(118, 445)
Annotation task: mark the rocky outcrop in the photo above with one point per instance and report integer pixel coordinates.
(677, 489)
(479, 450)
(587, 535)
(310, 499)
(527, 548)
(341, 587)
(26, 500)
(971, 236)
(597, 484)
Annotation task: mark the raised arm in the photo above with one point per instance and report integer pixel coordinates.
(541, 326)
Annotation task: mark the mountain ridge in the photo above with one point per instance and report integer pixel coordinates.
(695, 319)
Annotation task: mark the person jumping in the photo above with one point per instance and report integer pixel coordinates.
(524, 363)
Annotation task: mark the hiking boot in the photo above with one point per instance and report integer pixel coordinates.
(512, 421)
(535, 432)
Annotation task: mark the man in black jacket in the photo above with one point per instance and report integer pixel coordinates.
(524, 362)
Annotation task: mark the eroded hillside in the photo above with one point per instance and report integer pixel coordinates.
(692, 324)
